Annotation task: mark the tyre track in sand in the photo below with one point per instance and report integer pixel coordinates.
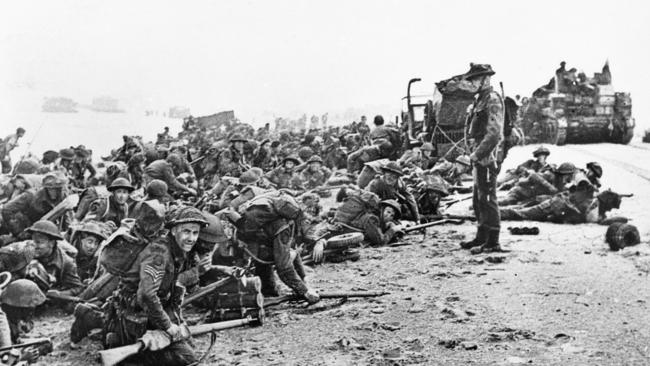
(641, 172)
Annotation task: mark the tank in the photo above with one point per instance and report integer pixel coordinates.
(570, 110)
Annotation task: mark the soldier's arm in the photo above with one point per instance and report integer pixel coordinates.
(70, 281)
(284, 264)
(327, 173)
(91, 170)
(373, 233)
(494, 128)
(152, 271)
(411, 202)
(171, 180)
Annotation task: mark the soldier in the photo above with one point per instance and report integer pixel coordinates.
(357, 159)
(594, 173)
(389, 186)
(575, 206)
(428, 160)
(262, 157)
(19, 300)
(361, 211)
(157, 190)
(267, 226)
(66, 158)
(167, 171)
(6, 145)
(539, 184)
(486, 130)
(163, 138)
(135, 170)
(453, 173)
(315, 174)
(284, 175)
(86, 240)
(53, 270)
(537, 165)
(115, 207)
(149, 296)
(24, 210)
(79, 167)
(237, 142)
(201, 268)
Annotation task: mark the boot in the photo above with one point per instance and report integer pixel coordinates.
(491, 246)
(480, 239)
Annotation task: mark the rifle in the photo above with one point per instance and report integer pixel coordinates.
(409, 229)
(204, 291)
(44, 346)
(272, 301)
(448, 204)
(63, 297)
(68, 203)
(113, 356)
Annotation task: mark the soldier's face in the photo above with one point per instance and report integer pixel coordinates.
(43, 245)
(53, 193)
(238, 145)
(89, 244)
(186, 235)
(314, 166)
(289, 164)
(391, 178)
(121, 195)
(388, 214)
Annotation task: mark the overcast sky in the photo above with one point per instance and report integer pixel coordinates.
(289, 56)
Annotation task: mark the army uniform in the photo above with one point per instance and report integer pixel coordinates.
(313, 178)
(539, 184)
(397, 192)
(149, 297)
(357, 159)
(283, 177)
(107, 208)
(370, 170)
(268, 227)
(359, 212)
(486, 131)
(447, 170)
(22, 211)
(162, 170)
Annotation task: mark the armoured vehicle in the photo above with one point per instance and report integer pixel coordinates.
(577, 110)
(59, 105)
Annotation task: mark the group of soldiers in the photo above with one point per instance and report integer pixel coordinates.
(126, 239)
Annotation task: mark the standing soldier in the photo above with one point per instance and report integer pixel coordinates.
(149, 296)
(6, 145)
(486, 129)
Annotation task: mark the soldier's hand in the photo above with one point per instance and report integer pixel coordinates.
(155, 340)
(205, 264)
(191, 191)
(30, 354)
(175, 332)
(312, 296)
(319, 248)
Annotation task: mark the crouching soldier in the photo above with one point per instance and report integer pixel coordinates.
(389, 186)
(267, 231)
(52, 269)
(86, 240)
(115, 207)
(19, 300)
(361, 211)
(149, 296)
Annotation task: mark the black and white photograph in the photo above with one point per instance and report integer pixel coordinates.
(284, 182)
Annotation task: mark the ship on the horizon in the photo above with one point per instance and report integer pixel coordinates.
(59, 105)
(106, 105)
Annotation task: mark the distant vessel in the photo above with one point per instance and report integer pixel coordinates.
(59, 105)
(178, 112)
(106, 105)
